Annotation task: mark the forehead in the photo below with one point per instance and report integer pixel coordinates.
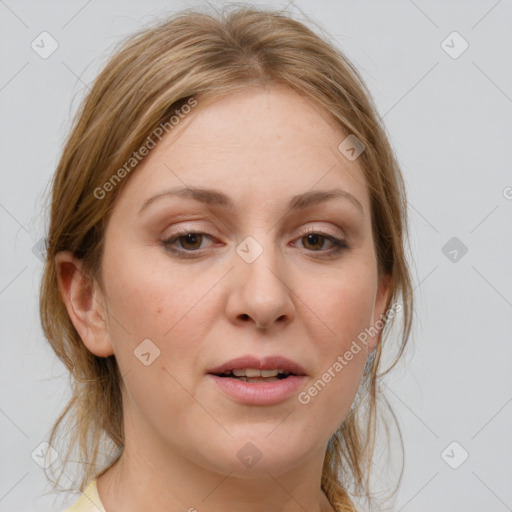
(262, 146)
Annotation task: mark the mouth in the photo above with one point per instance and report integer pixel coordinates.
(250, 380)
(254, 375)
(254, 369)
(247, 385)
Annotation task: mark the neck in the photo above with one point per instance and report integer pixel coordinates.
(172, 483)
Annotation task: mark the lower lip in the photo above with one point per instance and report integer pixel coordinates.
(259, 393)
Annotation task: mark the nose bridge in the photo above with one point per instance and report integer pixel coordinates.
(262, 291)
(261, 263)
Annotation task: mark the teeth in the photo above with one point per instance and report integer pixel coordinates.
(250, 372)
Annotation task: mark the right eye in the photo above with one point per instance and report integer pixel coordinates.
(190, 242)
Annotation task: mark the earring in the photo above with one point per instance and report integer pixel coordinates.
(369, 362)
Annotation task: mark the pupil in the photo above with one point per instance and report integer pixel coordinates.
(313, 239)
(190, 238)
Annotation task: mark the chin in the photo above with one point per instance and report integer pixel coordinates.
(256, 457)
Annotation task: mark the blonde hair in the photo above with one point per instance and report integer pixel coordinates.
(156, 71)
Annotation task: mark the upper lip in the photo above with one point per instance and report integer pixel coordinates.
(266, 363)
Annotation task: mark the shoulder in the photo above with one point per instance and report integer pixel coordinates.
(89, 500)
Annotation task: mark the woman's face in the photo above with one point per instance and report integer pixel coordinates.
(246, 281)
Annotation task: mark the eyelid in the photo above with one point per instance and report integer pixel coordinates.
(317, 230)
(203, 230)
(196, 228)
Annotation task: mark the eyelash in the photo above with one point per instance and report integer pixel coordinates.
(339, 245)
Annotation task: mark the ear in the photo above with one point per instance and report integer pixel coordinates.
(85, 304)
(381, 304)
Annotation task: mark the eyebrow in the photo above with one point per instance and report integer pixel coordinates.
(217, 198)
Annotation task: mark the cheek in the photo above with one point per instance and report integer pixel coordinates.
(151, 329)
(342, 311)
(149, 300)
(146, 296)
(341, 306)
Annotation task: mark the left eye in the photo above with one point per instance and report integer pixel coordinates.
(313, 237)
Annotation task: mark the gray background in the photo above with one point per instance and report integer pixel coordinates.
(450, 122)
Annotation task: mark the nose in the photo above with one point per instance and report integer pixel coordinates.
(260, 292)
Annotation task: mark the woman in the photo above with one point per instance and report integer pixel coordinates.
(226, 246)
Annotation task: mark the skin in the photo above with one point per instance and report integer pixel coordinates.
(182, 434)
